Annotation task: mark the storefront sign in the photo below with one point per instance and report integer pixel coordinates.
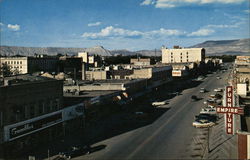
(33, 125)
(229, 110)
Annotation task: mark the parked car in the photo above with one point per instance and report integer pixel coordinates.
(159, 103)
(218, 90)
(205, 116)
(203, 123)
(218, 77)
(202, 90)
(208, 110)
(200, 78)
(194, 98)
(75, 151)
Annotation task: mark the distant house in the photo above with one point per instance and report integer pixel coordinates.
(140, 61)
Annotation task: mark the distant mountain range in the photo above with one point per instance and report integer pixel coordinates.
(228, 47)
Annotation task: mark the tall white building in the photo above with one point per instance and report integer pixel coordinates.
(183, 55)
(18, 64)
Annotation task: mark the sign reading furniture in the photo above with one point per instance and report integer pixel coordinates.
(229, 110)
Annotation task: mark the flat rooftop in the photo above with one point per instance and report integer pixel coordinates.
(23, 79)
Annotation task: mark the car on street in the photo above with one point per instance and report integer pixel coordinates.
(75, 151)
(200, 78)
(202, 90)
(159, 103)
(218, 77)
(206, 116)
(203, 123)
(208, 110)
(194, 98)
(218, 90)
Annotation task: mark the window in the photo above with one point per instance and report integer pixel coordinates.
(32, 110)
(1, 118)
(187, 53)
(181, 53)
(17, 62)
(14, 62)
(187, 60)
(171, 53)
(181, 60)
(40, 107)
(20, 62)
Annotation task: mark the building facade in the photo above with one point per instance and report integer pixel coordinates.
(23, 65)
(140, 61)
(183, 55)
(29, 108)
(16, 64)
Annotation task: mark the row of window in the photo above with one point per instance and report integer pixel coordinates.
(13, 62)
(180, 60)
(181, 57)
(32, 110)
(15, 66)
(180, 53)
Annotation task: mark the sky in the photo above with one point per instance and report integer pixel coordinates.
(121, 24)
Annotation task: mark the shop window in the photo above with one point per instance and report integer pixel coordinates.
(32, 110)
(1, 118)
(40, 107)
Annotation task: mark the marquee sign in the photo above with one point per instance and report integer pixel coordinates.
(232, 110)
(229, 110)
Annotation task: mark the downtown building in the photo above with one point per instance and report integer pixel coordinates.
(183, 55)
(32, 113)
(23, 65)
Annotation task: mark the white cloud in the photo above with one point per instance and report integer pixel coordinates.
(1, 24)
(146, 2)
(94, 24)
(14, 27)
(223, 25)
(164, 32)
(176, 3)
(247, 11)
(111, 32)
(202, 32)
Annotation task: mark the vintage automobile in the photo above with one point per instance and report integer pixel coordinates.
(203, 123)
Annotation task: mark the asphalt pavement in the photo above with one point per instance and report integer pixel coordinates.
(168, 137)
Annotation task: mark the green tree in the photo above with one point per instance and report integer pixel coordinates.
(5, 70)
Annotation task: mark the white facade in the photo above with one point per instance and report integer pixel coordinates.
(183, 55)
(84, 56)
(16, 64)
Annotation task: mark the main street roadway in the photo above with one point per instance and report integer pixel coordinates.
(166, 138)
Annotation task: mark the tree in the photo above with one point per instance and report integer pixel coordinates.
(5, 70)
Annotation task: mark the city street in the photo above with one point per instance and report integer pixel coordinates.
(167, 137)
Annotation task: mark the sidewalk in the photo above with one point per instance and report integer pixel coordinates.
(222, 145)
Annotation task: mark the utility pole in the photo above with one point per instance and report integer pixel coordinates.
(48, 155)
(208, 149)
